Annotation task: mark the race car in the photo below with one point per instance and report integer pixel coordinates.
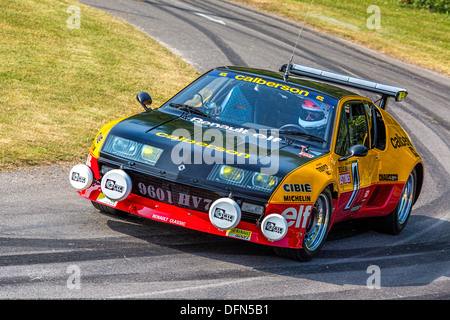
(271, 157)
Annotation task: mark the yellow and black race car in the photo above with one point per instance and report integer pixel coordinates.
(275, 158)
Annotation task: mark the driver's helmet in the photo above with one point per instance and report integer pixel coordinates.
(313, 115)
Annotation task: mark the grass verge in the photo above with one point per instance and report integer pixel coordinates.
(59, 85)
(416, 36)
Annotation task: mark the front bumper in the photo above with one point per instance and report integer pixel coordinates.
(282, 223)
(193, 219)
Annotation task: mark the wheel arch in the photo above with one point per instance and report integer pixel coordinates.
(334, 190)
(419, 168)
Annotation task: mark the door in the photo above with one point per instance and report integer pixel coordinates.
(356, 174)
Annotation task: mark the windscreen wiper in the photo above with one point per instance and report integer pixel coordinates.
(298, 133)
(189, 109)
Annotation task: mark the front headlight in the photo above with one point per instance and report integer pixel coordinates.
(124, 147)
(243, 178)
(151, 154)
(232, 174)
(264, 181)
(132, 150)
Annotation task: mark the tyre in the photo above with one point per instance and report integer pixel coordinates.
(316, 230)
(107, 209)
(396, 221)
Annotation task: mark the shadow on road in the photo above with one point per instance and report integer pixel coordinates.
(399, 260)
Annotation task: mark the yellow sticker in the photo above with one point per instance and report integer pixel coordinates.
(239, 234)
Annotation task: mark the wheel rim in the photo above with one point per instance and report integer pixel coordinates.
(406, 200)
(318, 223)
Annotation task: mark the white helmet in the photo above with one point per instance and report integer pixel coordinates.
(313, 115)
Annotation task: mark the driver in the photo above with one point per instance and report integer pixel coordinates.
(313, 115)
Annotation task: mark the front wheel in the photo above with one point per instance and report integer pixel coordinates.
(316, 230)
(395, 222)
(107, 209)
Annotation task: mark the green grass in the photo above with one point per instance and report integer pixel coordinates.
(413, 35)
(58, 86)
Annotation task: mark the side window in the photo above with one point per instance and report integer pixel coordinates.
(342, 140)
(353, 127)
(371, 126)
(379, 129)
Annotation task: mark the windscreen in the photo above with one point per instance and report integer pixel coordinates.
(261, 103)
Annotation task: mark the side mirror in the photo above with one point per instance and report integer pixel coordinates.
(355, 151)
(145, 100)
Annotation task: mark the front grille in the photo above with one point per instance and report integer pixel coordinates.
(180, 195)
(173, 193)
(251, 217)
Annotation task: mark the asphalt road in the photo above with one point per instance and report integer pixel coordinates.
(55, 245)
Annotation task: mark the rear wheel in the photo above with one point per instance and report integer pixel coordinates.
(316, 231)
(396, 221)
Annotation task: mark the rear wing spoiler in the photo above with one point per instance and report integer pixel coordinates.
(385, 90)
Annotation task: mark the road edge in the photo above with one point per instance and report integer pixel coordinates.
(431, 75)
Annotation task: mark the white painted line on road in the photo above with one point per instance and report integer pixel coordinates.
(209, 18)
(200, 287)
